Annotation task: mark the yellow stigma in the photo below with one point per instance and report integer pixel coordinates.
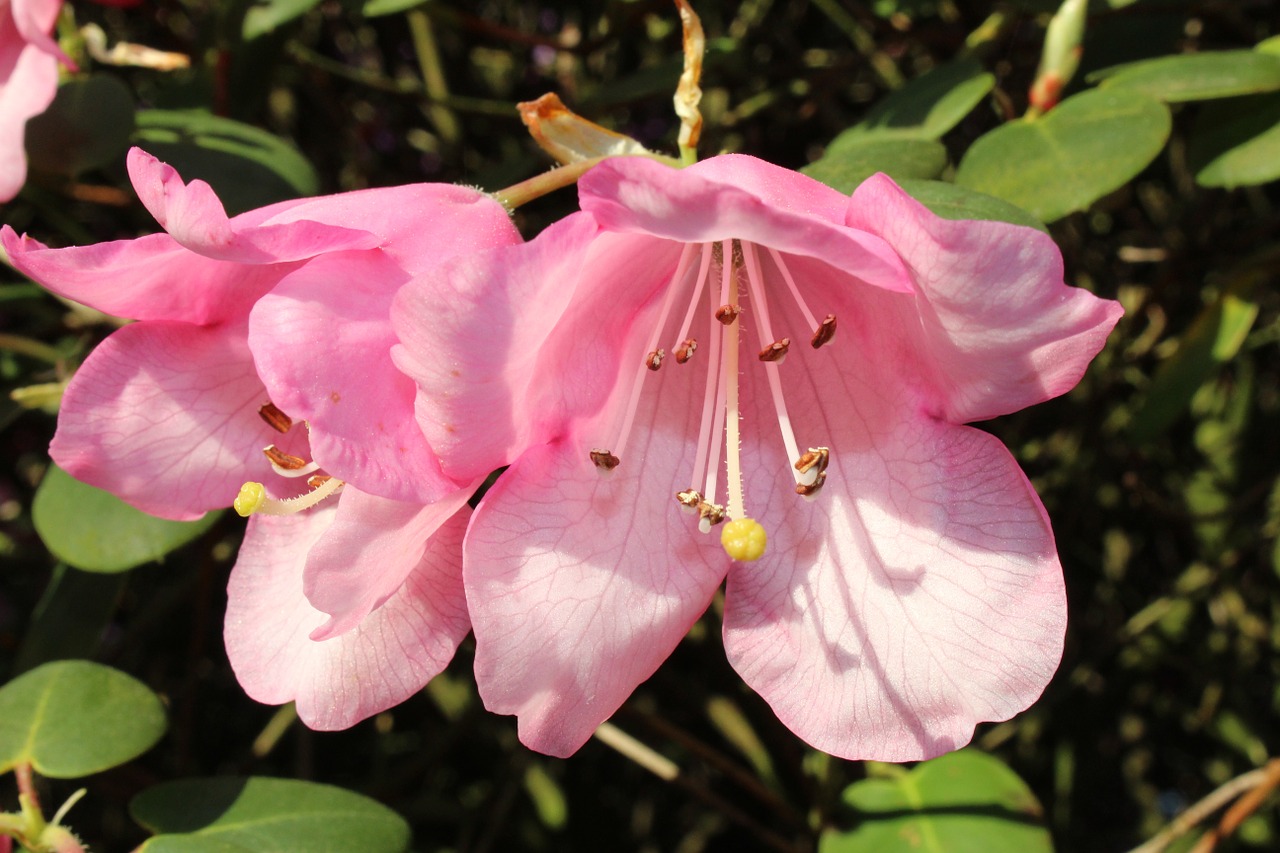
(743, 539)
(250, 499)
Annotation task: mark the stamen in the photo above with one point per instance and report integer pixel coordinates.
(629, 418)
(703, 268)
(809, 491)
(795, 291)
(709, 515)
(604, 460)
(276, 419)
(318, 480)
(776, 351)
(726, 314)
(654, 359)
(685, 351)
(732, 440)
(689, 500)
(755, 285)
(826, 331)
(729, 296)
(707, 428)
(253, 499)
(812, 466)
(287, 465)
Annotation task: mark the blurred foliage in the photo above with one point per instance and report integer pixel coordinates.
(1159, 471)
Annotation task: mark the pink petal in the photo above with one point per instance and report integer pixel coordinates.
(150, 278)
(390, 656)
(1000, 327)
(165, 415)
(919, 595)
(195, 218)
(523, 339)
(735, 196)
(28, 82)
(373, 545)
(34, 19)
(580, 586)
(322, 342)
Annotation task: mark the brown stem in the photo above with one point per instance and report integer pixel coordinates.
(1243, 807)
(1209, 804)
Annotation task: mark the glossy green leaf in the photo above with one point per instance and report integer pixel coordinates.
(265, 15)
(952, 202)
(927, 107)
(1213, 339)
(1091, 144)
(1237, 142)
(964, 802)
(1195, 76)
(247, 166)
(73, 718)
(1271, 46)
(96, 531)
(88, 125)
(898, 158)
(260, 815)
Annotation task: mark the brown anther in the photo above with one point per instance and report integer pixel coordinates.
(318, 480)
(604, 460)
(654, 359)
(283, 460)
(811, 490)
(685, 351)
(826, 331)
(727, 314)
(815, 457)
(776, 351)
(689, 498)
(276, 419)
(710, 513)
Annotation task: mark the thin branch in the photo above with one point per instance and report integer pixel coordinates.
(1201, 810)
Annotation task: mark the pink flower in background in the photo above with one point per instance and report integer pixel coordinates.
(248, 327)
(627, 365)
(28, 79)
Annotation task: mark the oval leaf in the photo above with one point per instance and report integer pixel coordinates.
(897, 158)
(259, 815)
(73, 718)
(1090, 145)
(1196, 76)
(96, 531)
(266, 15)
(962, 801)
(1237, 143)
(247, 166)
(928, 106)
(87, 126)
(952, 202)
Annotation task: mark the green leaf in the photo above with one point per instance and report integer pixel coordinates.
(247, 166)
(260, 815)
(927, 107)
(1195, 76)
(952, 202)
(374, 8)
(1213, 339)
(73, 718)
(964, 802)
(1271, 46)
(266, 15)
(96, 531)
(898, 158)
(1237, 143)
(88, 125)
(1088, 146)
(69, 620)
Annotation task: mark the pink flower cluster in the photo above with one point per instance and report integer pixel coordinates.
(727, 374)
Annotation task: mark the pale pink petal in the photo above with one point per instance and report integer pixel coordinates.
(718, 200)
(580, 586)
(523, 338)
(196, 219)
(996, 322)
(336, 683)
(34, 20)
(150, 278)
(373, 545)
(322, 343)
(28, 82)
(920, 595)
(165, 415)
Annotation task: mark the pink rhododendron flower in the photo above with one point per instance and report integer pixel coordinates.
(28, 80)
(246, 326)
(628, 365)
